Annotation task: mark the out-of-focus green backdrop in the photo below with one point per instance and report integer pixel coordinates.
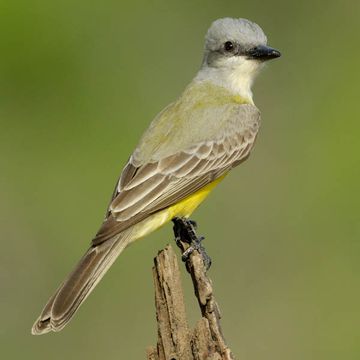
(80, 81)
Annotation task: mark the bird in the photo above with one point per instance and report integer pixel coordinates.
(187, 150)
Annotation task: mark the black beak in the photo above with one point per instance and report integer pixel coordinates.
(263, 53)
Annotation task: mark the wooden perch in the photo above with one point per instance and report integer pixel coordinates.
(175, 340)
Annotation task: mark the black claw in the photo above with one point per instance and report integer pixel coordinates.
(193, 223)
(184, 230)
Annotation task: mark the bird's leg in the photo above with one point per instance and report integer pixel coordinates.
(185, 231)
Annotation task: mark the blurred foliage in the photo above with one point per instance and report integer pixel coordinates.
(80, 81)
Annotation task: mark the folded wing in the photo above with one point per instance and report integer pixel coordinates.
(150, 187)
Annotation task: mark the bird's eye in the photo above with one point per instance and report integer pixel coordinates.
(229, 46)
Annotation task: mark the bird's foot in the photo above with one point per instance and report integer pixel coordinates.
(185, 231)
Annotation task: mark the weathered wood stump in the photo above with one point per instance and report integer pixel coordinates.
(175, 340)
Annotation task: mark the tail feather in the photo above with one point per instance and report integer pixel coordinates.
(62, 306)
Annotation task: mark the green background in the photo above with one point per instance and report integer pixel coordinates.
(81, 80)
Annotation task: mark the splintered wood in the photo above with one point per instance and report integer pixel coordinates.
(175, 340)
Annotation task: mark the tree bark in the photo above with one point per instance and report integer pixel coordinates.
(175, 340)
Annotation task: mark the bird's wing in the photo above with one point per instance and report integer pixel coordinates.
(147, 188)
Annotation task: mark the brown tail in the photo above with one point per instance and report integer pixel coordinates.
(62, 306)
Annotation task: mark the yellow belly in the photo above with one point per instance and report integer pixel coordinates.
(183, 208)
(186, 207)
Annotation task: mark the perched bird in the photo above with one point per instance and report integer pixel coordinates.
(186, 151)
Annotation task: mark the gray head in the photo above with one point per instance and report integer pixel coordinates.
(232, 41)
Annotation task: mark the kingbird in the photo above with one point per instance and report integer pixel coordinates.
(187, 150)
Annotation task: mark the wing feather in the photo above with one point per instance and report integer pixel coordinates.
(146, 201)
(144, 189)
(144, 173)
(127, 198)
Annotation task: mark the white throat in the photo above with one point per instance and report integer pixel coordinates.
(237, 76)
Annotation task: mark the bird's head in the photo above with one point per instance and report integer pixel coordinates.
(236, 48)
